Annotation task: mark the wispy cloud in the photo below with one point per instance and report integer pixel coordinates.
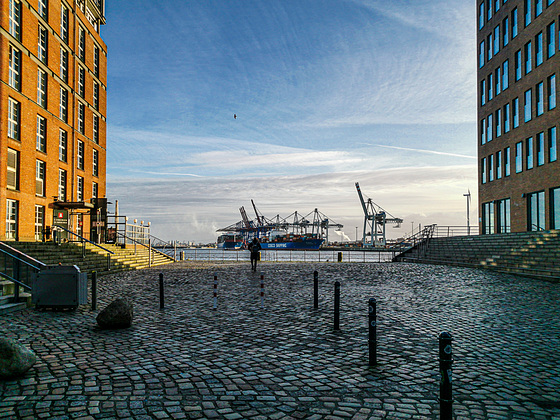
(433, 152)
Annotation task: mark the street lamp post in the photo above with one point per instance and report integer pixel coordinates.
(356, 235)
(468, 212)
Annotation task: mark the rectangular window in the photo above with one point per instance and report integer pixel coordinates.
(62, 145)
(505, 75)
(490, 86)
(498, 81)
(519, 157)
(63, 105)
(481, 55)
(94, 189)
(96, 61)
(551, 40)
(518, 65)
(496, 5)
(491, 168)
(41, 143)
(11, 219)
(489, 128)
(496, 39)
(80, 156)
(13, 170)
(504, 215)
(95, 163)
(13, 119)
(42, 88)
(507, 161)
(539, 49)
(483, 131)
(489, 45)
(528, 105)
(39, 222)
(551, 88)
(42, 45)
(540, 149)
(505, 31)
(82, 45)
(536, 211)
(528, 58)
(555, 208)
(499, 165)
(81, 117)
(489, 9)
(81, 81)
(552, 153)
(514, 26)
(61, 185)
(15, 19)
(96, 129)
(516, 113)
(80, 189)
(14, 76)
(538, 7)
(64, 24)
(481, 16)
(483, 170)
(64, 65)
(540, 98)
(498, 122)
(527, 9)
(529, 151)
(40, 178)
(488, 218)
(96, 96)
(42, 9)
(506, 117)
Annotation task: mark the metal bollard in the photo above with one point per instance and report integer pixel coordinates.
(372, 340)
(108, 262)
(93, 290)
(262, 291)
(161, 303)
(445, 388)
(337, 306)
(315, 290)
(215, 292)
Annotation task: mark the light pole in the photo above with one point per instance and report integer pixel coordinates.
(468, 212)
(356, 235)
(412, 231)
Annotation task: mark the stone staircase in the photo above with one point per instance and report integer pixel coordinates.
(531, 254)
(88, 260)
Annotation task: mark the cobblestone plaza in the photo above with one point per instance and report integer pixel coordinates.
(285, 361)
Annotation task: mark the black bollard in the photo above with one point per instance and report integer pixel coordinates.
(315, 290)
(445, 389)
(161, 304)
(372, 340)
(93, 290)
(337, 306)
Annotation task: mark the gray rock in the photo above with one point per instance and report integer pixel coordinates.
(15, 359)
(117, 315)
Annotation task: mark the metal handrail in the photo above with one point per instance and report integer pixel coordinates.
(17, 251)
(150, 248)
(19, 283)
(85, 240)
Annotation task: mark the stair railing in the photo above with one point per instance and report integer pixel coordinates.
(151, 250)
(419, 240)
(84, 241)
(18, 262)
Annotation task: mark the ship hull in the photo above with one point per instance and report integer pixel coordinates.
(304, 244)
(230, 245)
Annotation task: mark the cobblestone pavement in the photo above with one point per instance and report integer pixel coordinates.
(285, 361)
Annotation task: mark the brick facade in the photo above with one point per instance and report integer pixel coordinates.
(28, 43)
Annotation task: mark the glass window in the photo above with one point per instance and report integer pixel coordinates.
(505, 75)
(96, 95)
(81, 117)
(42, 8)
(483, 170)
(481, 16)
(551, 40)
(540, 149)
(95, 163)
(490, 43)
(527, 9)
(96, 129)
(506, 118)
(518, 65)
(94, 189)
(498, 81)
(504, 215)
(490, 86)
(42, 88)
(39, 222)
(80, 189)
(538, 7)
(552, 154)
(64, 24)
(42, 45)
(505, 31)
(81, 81)
(528, 105)
(13, 169)
(555, 208)
(13, 119)
(11, 219)
(528, 59)
(64, 65)
(514, 26)
(63, 105)
(40, 178)
(488, 218)
(540, 98)
(529, 151)
(62, 145)
(519, 157)
(15, 19)
(491, 168)
(549, 2)
(41, 143)
(62, 185)
(483, 131)
(489, 128)
(499, 122)
(489, 9)
(499, 165)
(496, 39)
(82, 44)
(96, 61)
(515, 113)
(481, 55)
(14, 73)
(551, 88)
(507, 162)
(80, 157)
(539, 49)
(496, 5)
(536, 212)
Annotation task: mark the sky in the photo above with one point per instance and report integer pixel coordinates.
(327, 93)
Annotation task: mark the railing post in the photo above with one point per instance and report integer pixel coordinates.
(93, 290)
(149, 252)
(215, 291)
(445, 390)
(372, 326)
(161, 303)
(337, 306)
(315, 290)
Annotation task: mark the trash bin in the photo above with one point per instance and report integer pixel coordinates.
(59, 287)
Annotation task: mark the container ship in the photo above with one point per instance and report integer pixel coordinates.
(294, 232)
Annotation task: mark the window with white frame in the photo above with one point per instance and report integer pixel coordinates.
(80, 157)
(12, 219)
(94, 189)
(42, 8)
(42, 45)
(40, 178)
(64, 23)
(95, 163)
(13, 119)
(63, 105)
(14, 72)
(42, 88)
(64, 64)
(81, 81)
(39, 222)
(62, 145)
(15, 19)
(82, 44)
(13, 170)
(96, 129)
(80, 189)
(41, 138)
(62, 185)
(81, 117)
(96, 95)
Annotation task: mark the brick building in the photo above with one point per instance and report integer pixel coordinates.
(518, 116)
(52, 116)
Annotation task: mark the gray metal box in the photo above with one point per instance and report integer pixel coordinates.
(59, 286)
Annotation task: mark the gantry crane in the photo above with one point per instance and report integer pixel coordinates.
(375, 221)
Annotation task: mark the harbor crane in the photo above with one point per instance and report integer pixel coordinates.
(375, 221)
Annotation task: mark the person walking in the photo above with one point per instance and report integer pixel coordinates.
(254, 247)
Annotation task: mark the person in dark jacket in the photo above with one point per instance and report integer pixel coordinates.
(254, 247)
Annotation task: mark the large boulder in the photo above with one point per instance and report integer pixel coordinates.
(15, 359)
(117, 315)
